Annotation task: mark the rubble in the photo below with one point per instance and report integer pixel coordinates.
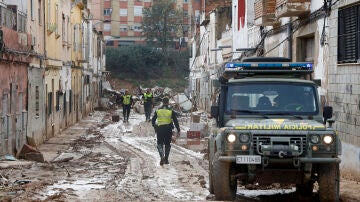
(30, 153)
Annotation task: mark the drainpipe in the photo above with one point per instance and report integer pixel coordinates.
(289, 34)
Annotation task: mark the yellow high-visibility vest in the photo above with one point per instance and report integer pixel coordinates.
(147, 96)
(126, 99)
(163, 116)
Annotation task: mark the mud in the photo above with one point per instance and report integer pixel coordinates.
(119, 162)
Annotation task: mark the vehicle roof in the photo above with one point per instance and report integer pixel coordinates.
(252, 79)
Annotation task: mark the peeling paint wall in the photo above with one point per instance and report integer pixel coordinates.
(13, 114)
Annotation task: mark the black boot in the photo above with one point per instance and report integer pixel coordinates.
(167, 152)
(161, 153)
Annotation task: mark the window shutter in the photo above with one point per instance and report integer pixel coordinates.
(348, 41)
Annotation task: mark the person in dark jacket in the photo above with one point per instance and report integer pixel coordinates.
(163, 122)
(127, 102)
(148, 102)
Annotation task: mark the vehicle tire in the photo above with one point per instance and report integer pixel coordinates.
(305, 189)
(329, 177)
(224, 187)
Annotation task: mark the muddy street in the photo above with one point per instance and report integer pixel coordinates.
(101, 160)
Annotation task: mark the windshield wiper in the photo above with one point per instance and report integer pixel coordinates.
(251, 112)
(287, 114)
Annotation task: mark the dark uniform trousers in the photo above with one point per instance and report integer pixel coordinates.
(126, 112)
(147, 108)
(163, 134)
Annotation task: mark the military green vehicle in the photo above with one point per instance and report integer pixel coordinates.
(271, 129)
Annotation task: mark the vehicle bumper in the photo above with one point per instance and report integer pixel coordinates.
(301, 159)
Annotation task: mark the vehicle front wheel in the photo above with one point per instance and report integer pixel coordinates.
(329, 177)
(224, 186)
(305, 189)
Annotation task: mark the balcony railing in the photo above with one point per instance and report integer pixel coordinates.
(12, 19)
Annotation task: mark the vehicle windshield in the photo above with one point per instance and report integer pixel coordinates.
(271, 99)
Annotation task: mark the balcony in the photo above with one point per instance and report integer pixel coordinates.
(265, 13)
(13, 19)
(213, 4)
(292, 8)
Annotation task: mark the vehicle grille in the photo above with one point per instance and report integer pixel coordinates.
(266, 140)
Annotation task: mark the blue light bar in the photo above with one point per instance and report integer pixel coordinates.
(269, 65)
(275, 66)
(308, 66)
(235, 65)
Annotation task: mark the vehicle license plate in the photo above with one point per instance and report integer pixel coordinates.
(248, 159)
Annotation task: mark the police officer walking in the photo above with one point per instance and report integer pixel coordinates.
(127, 101)
(148, 102)
(162, 121)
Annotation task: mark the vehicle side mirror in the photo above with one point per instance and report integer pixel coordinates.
(317, 82)
(327, 113)
(214, 111)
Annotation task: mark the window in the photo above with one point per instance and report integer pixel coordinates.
(39, 12)
(70, 101)
(123, 12)
(138, 10)
(123, 29)
(185, 13)
(64, 104)
(37, 98)
(75, 38)
(110, 43)
(63, 27)
(50, 97)
(107, 27)
(57, 106)
(305, 48)
(349, 34)
(49, 12)
(32, 9)
(57, 18)
(137, 28)
(107, 11)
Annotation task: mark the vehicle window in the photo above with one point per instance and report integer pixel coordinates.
(271, 98)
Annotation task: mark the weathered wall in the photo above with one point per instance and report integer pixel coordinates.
(344, 96)
(13, 115)
(36, 106)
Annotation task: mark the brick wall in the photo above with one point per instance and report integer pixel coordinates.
(264, 7)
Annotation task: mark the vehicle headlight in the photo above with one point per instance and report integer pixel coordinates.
(244, 138)
(315, 139)
(231, 137)
(328, 139)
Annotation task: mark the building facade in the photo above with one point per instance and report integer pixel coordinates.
(36, 74)
(343, 70)
(123, 20)
(52, 59)
(15, 46)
